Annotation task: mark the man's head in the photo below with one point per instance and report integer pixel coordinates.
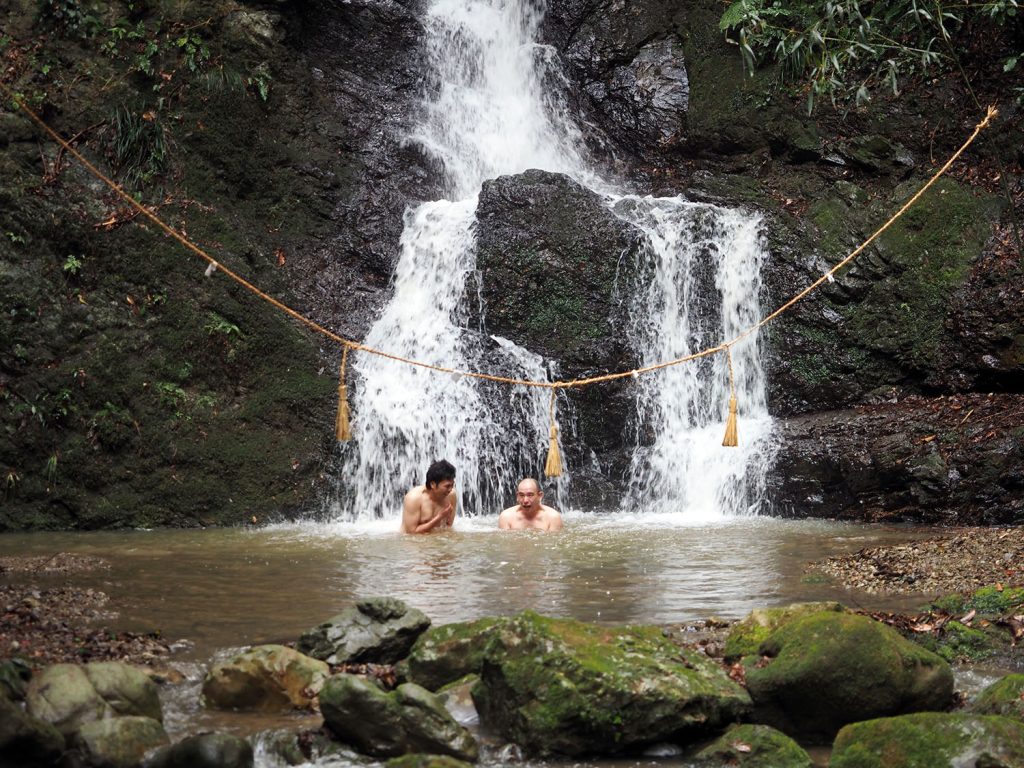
(529, 496)
(439, 472)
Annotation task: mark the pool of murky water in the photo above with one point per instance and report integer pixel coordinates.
(225, 588)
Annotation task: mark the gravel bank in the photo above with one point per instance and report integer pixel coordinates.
(965, 559)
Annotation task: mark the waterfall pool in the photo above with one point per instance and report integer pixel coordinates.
(224, 588)
(221, 589)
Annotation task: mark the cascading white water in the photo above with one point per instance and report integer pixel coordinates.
(698, 282)
(486, 114)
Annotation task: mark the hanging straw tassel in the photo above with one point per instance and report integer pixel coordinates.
(553, 466)
(730, 440)
(342, 429)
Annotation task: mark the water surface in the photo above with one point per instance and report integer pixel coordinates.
(227, 588)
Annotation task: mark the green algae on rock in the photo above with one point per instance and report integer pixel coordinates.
(447, 653)
(930, 740)
(746, 636)
(829, 669)
(557, 686)
(1003, 697)
(754, 746)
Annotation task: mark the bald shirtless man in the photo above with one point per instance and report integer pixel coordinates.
(431, 506)
(530, 512)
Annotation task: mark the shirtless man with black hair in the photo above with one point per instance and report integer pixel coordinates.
(431, 506)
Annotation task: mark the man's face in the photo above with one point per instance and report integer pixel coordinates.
(442, 489)
(528, 495)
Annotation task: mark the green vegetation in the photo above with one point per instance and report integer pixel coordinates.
(141, 149)
(843, 50)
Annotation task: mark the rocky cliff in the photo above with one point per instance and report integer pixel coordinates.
(136, 392)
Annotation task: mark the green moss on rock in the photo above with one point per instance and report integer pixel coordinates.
(930, 740)
(445, 654)
(745, 637)
(558, 686)
(828, 669)
(754, 746)
(1003, 697)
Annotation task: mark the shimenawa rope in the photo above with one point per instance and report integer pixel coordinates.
(553, 466)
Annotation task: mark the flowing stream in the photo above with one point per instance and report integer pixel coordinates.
(489, 110)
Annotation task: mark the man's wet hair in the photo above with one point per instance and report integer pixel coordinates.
(438, 472)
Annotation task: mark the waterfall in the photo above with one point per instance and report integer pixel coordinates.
(698, 282)
(486, 113)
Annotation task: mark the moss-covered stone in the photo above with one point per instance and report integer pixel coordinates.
(956, 643)
(119, 742)
(930, 740)
(1003, 697)
(409, 719)
(928, 253)
(828, 669)
(745, 637)
(426, 761)
(754, 746)
(447, 653)
(557, 686)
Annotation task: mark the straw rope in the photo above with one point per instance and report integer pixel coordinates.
(351, 345)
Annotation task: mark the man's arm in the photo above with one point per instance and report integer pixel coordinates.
(505, 520)
(554, 521)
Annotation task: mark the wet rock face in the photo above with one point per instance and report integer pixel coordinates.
(629, 69)
(408, 719)
(947, 460)
(365, 57)
(378, 630)
(552, 259)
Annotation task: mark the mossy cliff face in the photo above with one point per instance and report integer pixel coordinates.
(133, 392)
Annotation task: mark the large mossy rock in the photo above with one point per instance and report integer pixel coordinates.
(557, 686)
(426, 761)
(27, 741)
(931, 740)
(119, 742)
(407, 720)
(378, 630)
(746, 636)
(205, 750)
(1003, 697)
(553, 263)
(71, 695)
(829, 669)
(448, 653)
(267, 677)
(754, 746)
